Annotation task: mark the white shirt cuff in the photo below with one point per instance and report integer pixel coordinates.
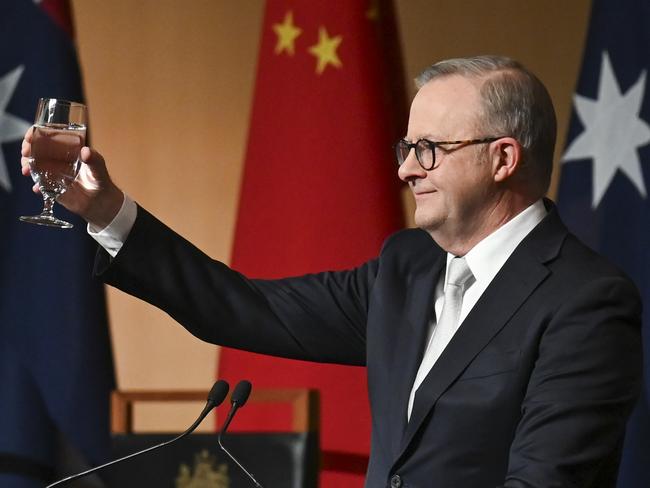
(113, 236)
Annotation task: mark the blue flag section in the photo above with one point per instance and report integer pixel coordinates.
(55, 360)
(605, 179)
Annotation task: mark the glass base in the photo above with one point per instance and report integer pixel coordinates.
(48, 220)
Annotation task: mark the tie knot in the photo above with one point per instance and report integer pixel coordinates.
(458, 273)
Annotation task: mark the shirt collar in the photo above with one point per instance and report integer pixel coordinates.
(487, 257)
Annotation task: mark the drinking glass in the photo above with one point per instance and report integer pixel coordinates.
(59, 134)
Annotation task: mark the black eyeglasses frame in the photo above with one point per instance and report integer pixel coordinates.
(427, 145)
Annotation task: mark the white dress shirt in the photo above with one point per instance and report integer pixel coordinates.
(113, 236)
(485, 260)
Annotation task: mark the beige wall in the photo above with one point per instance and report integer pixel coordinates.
(169, 86)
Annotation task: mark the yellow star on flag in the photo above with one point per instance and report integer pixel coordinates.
(325, 50)
(372, 12)
(287, 33)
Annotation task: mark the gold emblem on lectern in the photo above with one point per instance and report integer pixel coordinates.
(207, 474)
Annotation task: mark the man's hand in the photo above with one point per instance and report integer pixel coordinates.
(92, 195)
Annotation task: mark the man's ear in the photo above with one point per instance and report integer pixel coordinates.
(506, 158)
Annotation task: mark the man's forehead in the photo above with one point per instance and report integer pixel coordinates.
(452, 86)
(443, 106)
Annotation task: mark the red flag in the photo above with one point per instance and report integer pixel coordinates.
(319, 188)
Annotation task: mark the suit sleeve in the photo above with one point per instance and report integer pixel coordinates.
(319, 317)
(583, 385)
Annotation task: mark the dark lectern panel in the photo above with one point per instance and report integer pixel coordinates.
(276, 460)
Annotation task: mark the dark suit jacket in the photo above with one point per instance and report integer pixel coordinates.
(532, 391)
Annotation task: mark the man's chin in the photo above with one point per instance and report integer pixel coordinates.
(427, 222)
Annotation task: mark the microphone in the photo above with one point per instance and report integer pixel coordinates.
(216, 396)
(238, 399)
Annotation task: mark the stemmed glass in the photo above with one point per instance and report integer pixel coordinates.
(58, 136)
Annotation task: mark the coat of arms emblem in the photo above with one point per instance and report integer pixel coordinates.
(206, 473)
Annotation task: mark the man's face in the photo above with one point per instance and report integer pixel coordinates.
(451, 199)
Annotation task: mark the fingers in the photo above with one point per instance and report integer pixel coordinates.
(26, 151)
(26, 148)
(24, 166)
(86, 154)
(92, 158)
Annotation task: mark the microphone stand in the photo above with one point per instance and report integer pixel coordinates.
(215, 397)
(239, 397)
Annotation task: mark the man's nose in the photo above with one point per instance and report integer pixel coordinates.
(410, 169)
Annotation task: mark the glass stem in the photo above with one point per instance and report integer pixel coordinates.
(48, 206)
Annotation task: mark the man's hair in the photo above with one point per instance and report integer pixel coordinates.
(515, 104)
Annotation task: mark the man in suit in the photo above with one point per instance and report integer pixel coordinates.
(500, 350)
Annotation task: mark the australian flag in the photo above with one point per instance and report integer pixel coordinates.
(55, 360)
(605, 181)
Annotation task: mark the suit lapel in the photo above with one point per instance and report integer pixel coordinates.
(518, 278)
(410, 341)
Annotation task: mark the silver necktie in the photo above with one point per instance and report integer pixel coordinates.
(459, 277)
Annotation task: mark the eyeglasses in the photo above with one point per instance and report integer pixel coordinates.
(425, 150)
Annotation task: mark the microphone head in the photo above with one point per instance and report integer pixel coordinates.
(241, 392)
(218, 393)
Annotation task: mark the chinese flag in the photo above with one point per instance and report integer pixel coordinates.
(319, 190)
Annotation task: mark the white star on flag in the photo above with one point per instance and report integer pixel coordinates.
(11, 127)
(613, 132)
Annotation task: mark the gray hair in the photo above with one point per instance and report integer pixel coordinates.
(515, 104)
